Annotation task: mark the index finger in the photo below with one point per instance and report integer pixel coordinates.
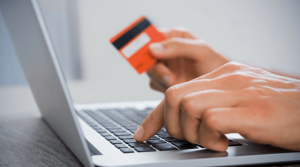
(152, 124)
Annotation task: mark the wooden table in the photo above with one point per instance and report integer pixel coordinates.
(26, 140)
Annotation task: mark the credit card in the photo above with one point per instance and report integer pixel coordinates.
(133, 42)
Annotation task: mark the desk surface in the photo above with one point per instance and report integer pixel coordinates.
(26, 140)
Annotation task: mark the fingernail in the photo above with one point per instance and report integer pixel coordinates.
(156, 47)
(167, 79)
(139, 133)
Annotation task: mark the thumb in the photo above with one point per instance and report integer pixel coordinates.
(178, 47)
(152, 124)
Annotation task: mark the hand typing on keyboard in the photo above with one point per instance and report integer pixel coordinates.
(235, 98)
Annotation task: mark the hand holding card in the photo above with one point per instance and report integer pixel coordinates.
(133, 42)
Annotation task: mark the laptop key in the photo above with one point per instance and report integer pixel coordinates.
(170, 139)
(103, 122)
(199, 145)
(233, 143)
(125, 137)
(132, 131)
(164, 135)
(184, 145)
(101, 131)
(131, 126)
(164, 147)
(94, 126)
(122, 133)
(110, 138)
(154, 138)
(121, 146)
(111, 127)
(108, 124)
(138, 144)
(144, 149)
(162, 132)
(155, 141)
(105, 134)
(131, 141)
(117, 131)
(115, 142)
(126, 150)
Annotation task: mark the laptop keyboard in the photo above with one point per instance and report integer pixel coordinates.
(118, 126)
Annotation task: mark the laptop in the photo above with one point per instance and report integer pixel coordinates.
(101, 134)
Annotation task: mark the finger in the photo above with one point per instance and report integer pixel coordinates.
(157, 86)
(162, 74)
(219, 121)
(179, 32)
(178, 47)
(156, 83)
(173, 99)
(194, 105)
(152, 124)
(190, 127)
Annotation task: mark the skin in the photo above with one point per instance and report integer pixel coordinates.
(184, 57)
(233, 98)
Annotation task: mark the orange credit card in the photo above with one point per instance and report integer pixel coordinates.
(132, 43)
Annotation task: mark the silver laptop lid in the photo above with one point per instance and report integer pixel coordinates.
(43, 72)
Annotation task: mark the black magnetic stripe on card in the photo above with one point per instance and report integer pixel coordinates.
(129, 35)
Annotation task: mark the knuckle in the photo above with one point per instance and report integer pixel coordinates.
(236, 77)
(152, 86)
(187, 105)
(210, 119)
(171, 94)
(232, 66)
(254, 92)
(174, 41)
(250, 90)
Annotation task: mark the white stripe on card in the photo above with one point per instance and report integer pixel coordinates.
(135, 45)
